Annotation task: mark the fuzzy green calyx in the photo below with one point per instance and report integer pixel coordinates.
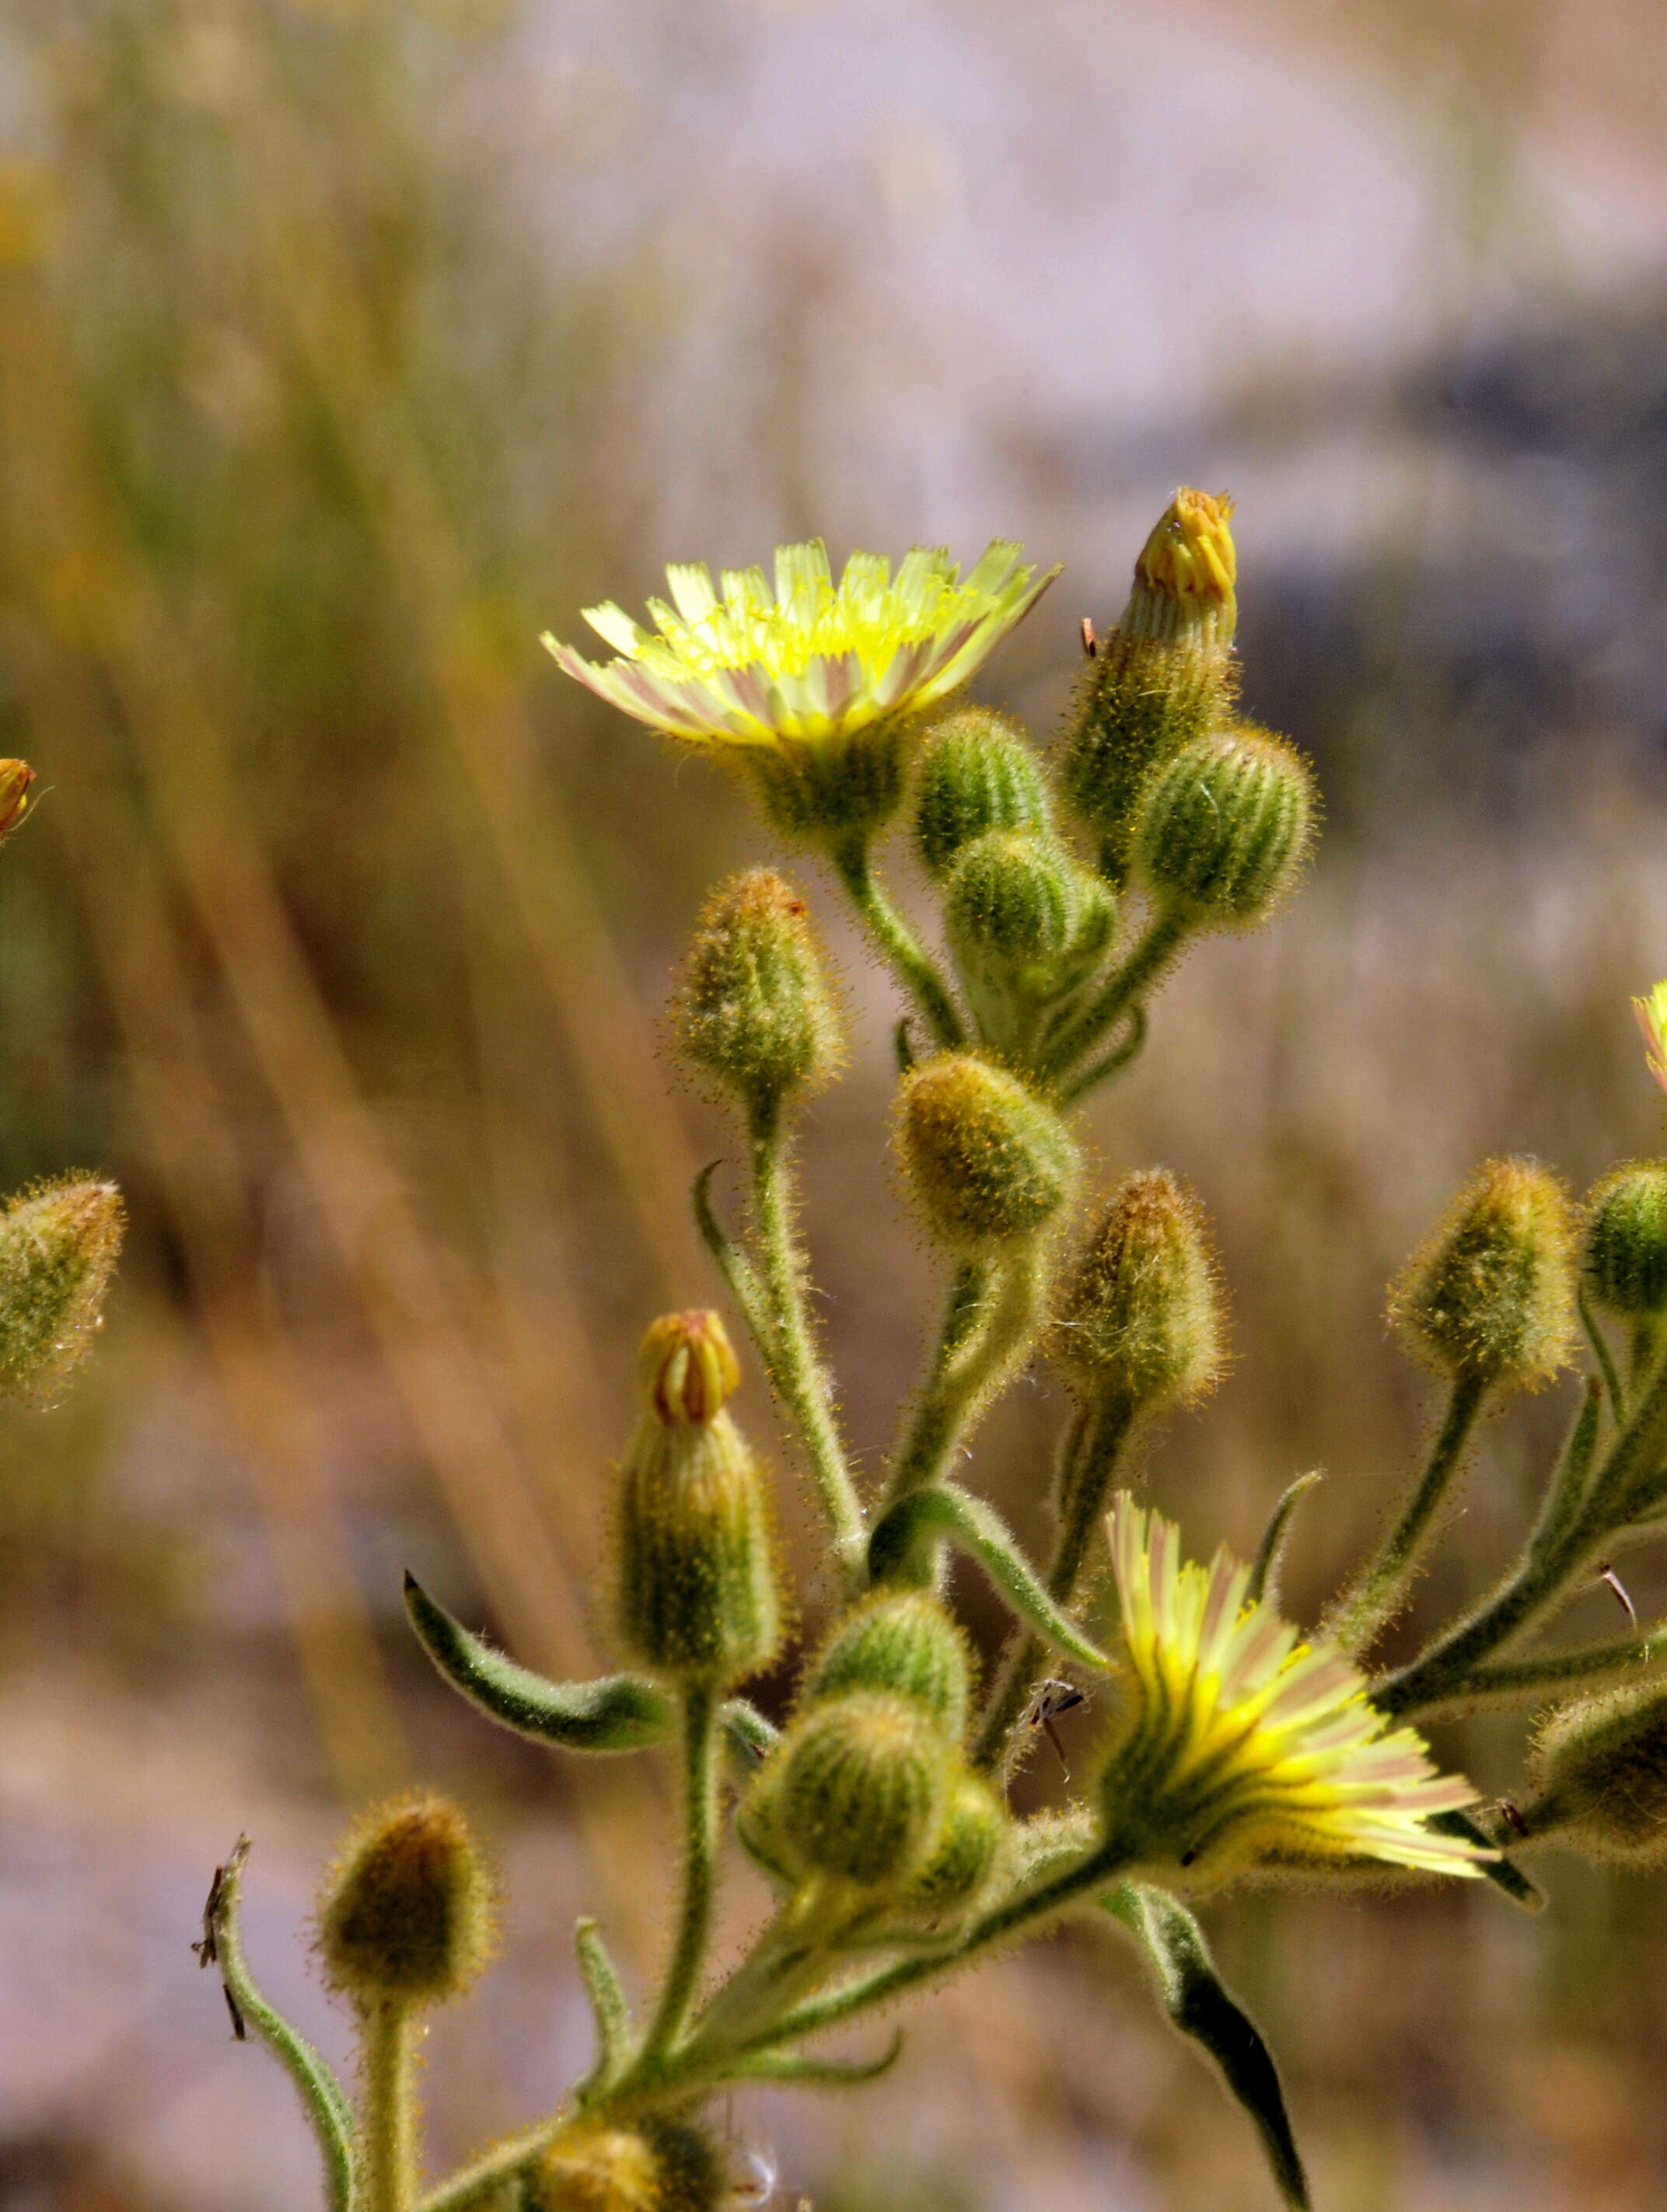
(901, 1642)
(59, 1244)
(696, 1591)
(818, 791)
(406, 1917)
(1490, 1295)
(863, 1784)
(655, 2166)
(755, 1011)
(1012, 904)
(977, 773)
(973, 1841)
(988, 1163)
(1141, 1315)
(1626, 1241)
(1599, 1769)
(1224, 828)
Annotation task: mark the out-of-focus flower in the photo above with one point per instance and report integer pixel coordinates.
(1245, 1745)
(1651, 1013)
(812, 659)
(16, 778)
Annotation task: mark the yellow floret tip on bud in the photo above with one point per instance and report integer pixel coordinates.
(656, 2166)
(16, 778)
(1490, 1296)
(58, 1246)
(687, 1368)
(1190, 554)
(407, 1912)
(1651, 1012)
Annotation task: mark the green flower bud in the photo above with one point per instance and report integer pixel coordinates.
(758, 1824)
(1224, 827)
(1490, 1296)
(697, 1595)
(864, 1780)
(754, 1009)
(1599, 1771)
(1141, 1315)
(1626, 1245)
(973, 1842)
(977, 773)
(654, 2165)
(988, 1163)
(902, 1642)
(1163, 677)
(1012, 904)
(407, 1913)
(58, 1242)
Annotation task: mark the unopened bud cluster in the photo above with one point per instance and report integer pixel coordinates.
(1490, 1297)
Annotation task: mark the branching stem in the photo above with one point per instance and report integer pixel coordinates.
(1160, 941)
(700, 1861)
(909, 959)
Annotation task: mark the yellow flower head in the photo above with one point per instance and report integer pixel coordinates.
(1653, 1020)
(812, 658)
(1190, 553)
(1246, 1745)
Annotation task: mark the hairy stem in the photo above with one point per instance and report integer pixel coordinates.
(1379, 1591)
(788, 1345)
(909, 959)
(987, 1325)
(700, 1858)
(1158, 946)
(388, 2129)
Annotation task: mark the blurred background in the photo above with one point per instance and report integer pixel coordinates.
(345, 344)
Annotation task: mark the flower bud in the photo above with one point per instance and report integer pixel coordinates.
(1599, 1769)
(976, 774)
(988, 1163)
(1141, 1316)
(654, 2165)
(406, 1916)
(696, 1582)
(15, 777)
(904, 1642)
(1224, 828)
(754, 1009)
(1625, 1243)
(1490, 1296)
(59, 1243)
(972, 1840)
(864, 1779)
(1012, 904)
(1163, 677)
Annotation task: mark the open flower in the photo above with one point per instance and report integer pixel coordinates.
(812, 659)
(1653, 1020)
(1245, 1745)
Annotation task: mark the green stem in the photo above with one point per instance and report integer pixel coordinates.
(1161, 940)
(986, 1324)
(1365, 1611)
(1601, 1352)
(700, 1860)
(1127, 1049)
(388, 2129)
(913, 966)
(1092, 1448)
(1515, 1681)
(788, 1345)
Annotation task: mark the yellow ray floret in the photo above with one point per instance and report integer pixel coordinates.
(811, 659)
(1246, 1744)
(1653, 1020)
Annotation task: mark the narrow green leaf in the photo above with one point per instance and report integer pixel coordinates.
(607, 2003)
(737, 1270)
(1200, 2007)
(1500, 1871)
(1270, 1551)
(815, 2073)
(326, 2104)
(616, 1712)
(941, 1509)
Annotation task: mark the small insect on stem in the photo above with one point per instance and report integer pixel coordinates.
(1511, 1818)
(1090, 642)
(1052, 1699)
(208, 1946)
(1606, 1574)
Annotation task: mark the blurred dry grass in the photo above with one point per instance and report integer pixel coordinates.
(340, 935)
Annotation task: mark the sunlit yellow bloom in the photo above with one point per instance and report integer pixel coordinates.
(1653, 1020)
(812, 658)
(1186, 577)
(1245, 1744)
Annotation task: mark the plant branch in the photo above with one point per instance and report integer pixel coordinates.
(905, 955)
(986, 1324)
(1157, 946)
(700, 1854)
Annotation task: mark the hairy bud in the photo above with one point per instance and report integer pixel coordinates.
(1224, 828)
(1012, 904)
(977, 774)
(817, 791)
(1490, 1297)
(1141, 1317)
(655, 2165)
(901, 1642)
(754, 1009)
(696, 1583)
(59, 1243)
(988, 1163)
(863, 1784)
(973, 1842)
(1163, 677)
(406, 1915)
(1599, 1769)
(1626, 1241)
(16, 778)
